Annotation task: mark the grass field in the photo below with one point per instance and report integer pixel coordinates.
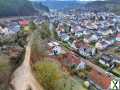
(5, 70)
(72, 84)
(116, 71)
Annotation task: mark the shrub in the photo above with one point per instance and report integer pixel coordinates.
(48, 74)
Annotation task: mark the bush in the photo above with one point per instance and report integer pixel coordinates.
(32, 26)
(48, 74)
(45, 32)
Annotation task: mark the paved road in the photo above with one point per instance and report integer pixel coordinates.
(23, 78)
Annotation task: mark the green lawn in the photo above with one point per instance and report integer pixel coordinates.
(5, 70)
(72, 84)
(4, 63)
(116, 71)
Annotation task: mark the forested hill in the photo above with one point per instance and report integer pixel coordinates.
(40, 6)
(112, 5)
(62, 4)
(17, 8)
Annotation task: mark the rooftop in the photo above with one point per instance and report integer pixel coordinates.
(100, 79)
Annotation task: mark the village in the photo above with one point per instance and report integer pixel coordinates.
(94, 39)
(86, 44)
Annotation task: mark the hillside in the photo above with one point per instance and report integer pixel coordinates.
(109, 5)
(40, 6)
(62, 5)
(17, 8)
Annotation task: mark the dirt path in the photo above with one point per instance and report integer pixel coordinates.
(23, 78)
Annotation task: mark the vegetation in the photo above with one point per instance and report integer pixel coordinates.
(40, 6)
(66, 45)
(19, 8)
(16, 8)
(84, 72)
(39, 44)
(32, 25)
(101, 65)
(116, 72)
(7, 39)
(49, 74)
(55, 34)
(45, 32)
(5, 70)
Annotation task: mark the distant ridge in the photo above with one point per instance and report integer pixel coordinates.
(111, 5)
(18, 8)
(60, 5)
(40, 6)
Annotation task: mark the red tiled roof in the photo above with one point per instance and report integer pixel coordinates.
(100, 79)
(24, 22)
(118, 35)
(117, 44)
(79, 44)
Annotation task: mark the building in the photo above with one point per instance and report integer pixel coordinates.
(103, 44)
(100, 80)
(109, 60)
(87, 52)
(91, 38)
(118, 37)
(106, 60)
(54, 48)
(24, 22)
(65, 37)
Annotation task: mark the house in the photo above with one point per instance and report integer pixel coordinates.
(106, 60)
(82, 65)
(118, 37)
(106, 31)
(64, 37)
(76, 44)
(109, 60)
(87, 52)
(117, 40)
(4, 30)
(100, 80)
(14, 27)
(91, 38)
(103, 44)
(118, 29)
(79, 33)
(87, 32)
(76, 28)
(24, 23)
(116, 59)
(92, 26)
(54, 48)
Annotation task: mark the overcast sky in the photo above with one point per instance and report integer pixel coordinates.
(67, 0)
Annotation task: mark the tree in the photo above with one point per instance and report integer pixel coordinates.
(32, 26)
(45, 32)
(48, 73)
